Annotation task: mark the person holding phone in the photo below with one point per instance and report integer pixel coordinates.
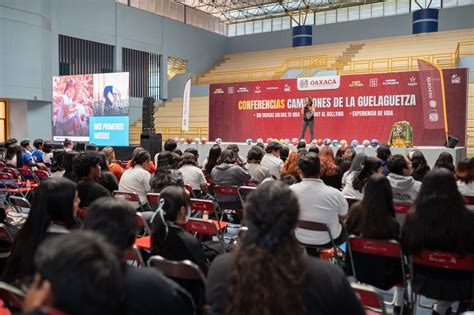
(307, 112)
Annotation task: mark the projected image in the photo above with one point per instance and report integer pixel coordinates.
(111, 94)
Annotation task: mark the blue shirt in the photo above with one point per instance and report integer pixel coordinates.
(38, 156)
(26, 157)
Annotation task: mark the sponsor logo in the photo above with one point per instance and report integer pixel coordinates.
(319, 83)
(433, 117)
(258, 89)
(218, 91)
(287, 88)
(412, 81)
(242, 90)
(433, 103)
(391, 82)
(455, 79)
(374, 82)
(356, 84)
(230, 90)
(272, 88)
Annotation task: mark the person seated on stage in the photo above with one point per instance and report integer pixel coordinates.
(77, 274)
(169, 146)
(258, 173)
(171, 241)
(271, 159)
(229, 172)
(68, 165)
(285, 151)
(88, 172)
(151, 167)
(330, 173)
(291, 166)
(405, 188)
(107, 178)
(53, 211)
(68, 145)
(211, 160)
(27, 155)
(269, 273)
(344, 156)
(193, 175)
(166, 173)
(318, 203)
(114, 167)
(419, 165)
(440, 222)
(445, 160)
(465, 176)
(146, 289)
(37, 154)
(48, 156)
(137, 179)
(383, 153)
(356, 181)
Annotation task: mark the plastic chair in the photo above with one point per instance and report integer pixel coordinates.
(143, 224)
(27, 174)
(228, 199)
(7, 239)
(10, 185)
(370, 298)
(13, 297)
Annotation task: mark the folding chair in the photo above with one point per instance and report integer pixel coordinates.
(40, 174)
(202, 205)
(370, 298)
(363, 247)
(202, 227)
(7, 241)
(143, 224)
(189, 190)
(134, 256)
(81, 214)
(153, 199)
(143, 243)
(228, 199)
(13, 297)
(2, 164)
(244, 191)
(27, 175)
(129, 196)
(251, 183)
(401, 211)
(318, 227)
(12, 186)
(12, 171)
(443, 262)
(20, 204)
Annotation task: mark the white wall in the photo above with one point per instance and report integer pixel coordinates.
(17, 119)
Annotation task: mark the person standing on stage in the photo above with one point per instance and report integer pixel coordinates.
(308, 117)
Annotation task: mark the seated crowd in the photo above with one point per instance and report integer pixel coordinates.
(72, 249)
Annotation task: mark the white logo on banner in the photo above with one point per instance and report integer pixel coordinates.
(186, 97)
(331, 82)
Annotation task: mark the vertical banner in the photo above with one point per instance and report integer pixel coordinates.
(186, 97)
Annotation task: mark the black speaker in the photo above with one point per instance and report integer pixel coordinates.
(452, 142)
(148, 119)
(151, 143)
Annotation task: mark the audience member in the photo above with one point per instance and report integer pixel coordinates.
(285, 151)
(13, 156)
(419, 165)
(117, 222)
(271, 160)
(288, 179)
(53, 211)
(445, 160)
(440, 221)
(291, 166)
(27, 156)
(193, 175)
(356, 164)
(330, 173)
(107, 178)
(68, 165)
(269, 273)
(169, 146)
(465, 176)
(313, 149)
(194, 152)
(166, 174)
(404, 187)
(318, 203)
(77, 274)
(301, 144)
(344, 156)
(383, 153)
(88, 172)
(257, 172)
(137, 178)
(80, 146)
(48, 156)
(91, 147)
(114, 167)
(68, 145)
(229, 172)
(37, 154)
(211, 160)
(151, 167)
(236, 150)
(355, 188)
(57, 169)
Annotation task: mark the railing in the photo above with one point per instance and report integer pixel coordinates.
(465, 48)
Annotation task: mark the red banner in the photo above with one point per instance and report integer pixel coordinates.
(347, 107)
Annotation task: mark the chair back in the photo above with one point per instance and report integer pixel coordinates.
(133, 255)
(251, 183)
(182, 270)
(12, 172)
(189, 189)
(20, 204)
(13, 297)
(444, 260)
(201, 226)
(2, 164)
(27, 174)
(401, 211)
(153, 199)
(81, 214)
(143, 224)
(228, 197)
(129, 196)
(40, 174)
(369, 297)
(244, 191)
(317, 227)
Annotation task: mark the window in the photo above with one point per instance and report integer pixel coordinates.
(285, 23)
(449, 3)
(320, 18)
(353, 13)
(258, 26)
(390, 8)
(231, 30)
(267, 25)
(249, 27)
(309, 18)
(365, 11)
(341, 15)
(276, 24)
(3, 121)
(377, 9)
(403, 6)
(240, 29)
(330, 16)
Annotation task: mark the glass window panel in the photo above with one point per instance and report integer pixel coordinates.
(465, 2)
(285, 23)
(276, 24)
(231, 29)
(257, 26)
(377, 9)
(353, 13)
(436, 4)
(449, 3)
(390, 8)
(341, 14)
(365, 11)
(240, 29)
(320, 18)
(267, 25)
(403, 6)
(249, 27)
(330, 16)
(2, 110)
(310, 18)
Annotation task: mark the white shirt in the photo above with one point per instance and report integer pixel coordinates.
(349, 191)
(193, 176)
(319, 203)
(136, 179)
(47, 158)
(466, 190)
(274, 164)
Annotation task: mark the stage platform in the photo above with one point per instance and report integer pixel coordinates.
(431, 153)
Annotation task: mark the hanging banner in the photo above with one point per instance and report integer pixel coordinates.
(186, 97)
(347, 107)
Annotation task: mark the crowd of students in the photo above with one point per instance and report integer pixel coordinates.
(269, 272)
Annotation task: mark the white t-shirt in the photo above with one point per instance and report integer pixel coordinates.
(47, 157)
(136, 179)
(466, 190)
(319, 203)
(274, 164)
(193, 176)
(349, 191)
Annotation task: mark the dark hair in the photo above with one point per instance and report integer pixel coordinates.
(261, 262)
(193, 151)
(301, 145)
(24, 143)
(419, 164)
(314, 149)
(188, 159)
(288, 179)
(233, 147)
(214, 154)
(37, 143)
(85, 274)
(370, 165)
(164, 177)
(91, 147)
(170, 145)
(80, 146)
(383, 152)
(439, 217)
(11, 151)
(114, 219)
(445, 160)
(273, 146)
(11, 141)
(67, 142)
(255, 154)
(174, 198)
(376, 208)
(397, 163)
(52, 202)
(84, 162)
(57, 160)
(260, 144)
(227, 157)
(68, 162)
(284, 152)
(303, 151)
(48, 146)
(465, 170)
(309, 165)
(167, 160)
(178, 152)
(140, 157)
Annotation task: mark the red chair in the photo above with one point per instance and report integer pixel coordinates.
(319, 227)
(251, 183)
(143, 243)
(134, 256)
(27, 174)
(244, 191)
(12, 186)
(143, 225)
(208, 206)
(81, 214)
(129, 196)
(189, 189)
(2, 165)
(469, 200)
(40, 174)
(370, 298)
(153, 199)
(202, 227)
(401, 211)
(13, 297)
(13, 172)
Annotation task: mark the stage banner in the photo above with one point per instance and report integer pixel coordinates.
(347, 107)
(186, 97)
